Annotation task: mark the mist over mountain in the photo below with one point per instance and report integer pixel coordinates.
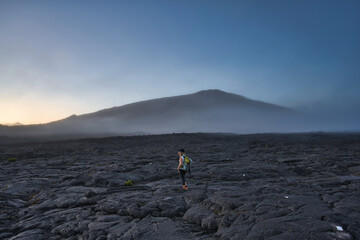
(203, 111)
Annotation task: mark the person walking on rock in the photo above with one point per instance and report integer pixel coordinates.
(184, 166)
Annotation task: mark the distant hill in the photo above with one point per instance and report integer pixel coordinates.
(204, 111)
(12, 124)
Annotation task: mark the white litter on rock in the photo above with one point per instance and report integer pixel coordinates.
(286, 196)
(243, 175)
(339, 228)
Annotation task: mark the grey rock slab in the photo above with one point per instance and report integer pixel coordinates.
(134, 210)
(195, 196)
(66, 201)
(210, 222)
(196, 214)
(120, 229)
(17, 203)
(156, 228)
(83, 189)
(174, 206)
(108, 218)
(5, 235)
(351, 201)
(44, 205)
(67, 229)
(98, 226)
(287, 225)
(34, 234)
(23, 187)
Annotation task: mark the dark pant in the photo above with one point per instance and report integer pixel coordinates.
(182, 175)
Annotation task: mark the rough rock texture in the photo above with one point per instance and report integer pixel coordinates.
(266, 186)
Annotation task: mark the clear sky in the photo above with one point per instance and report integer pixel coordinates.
(59, 58)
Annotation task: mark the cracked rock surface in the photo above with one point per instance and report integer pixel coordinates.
(263, 186)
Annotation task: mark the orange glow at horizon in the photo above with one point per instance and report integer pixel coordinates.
(33, 112)
(11, 113)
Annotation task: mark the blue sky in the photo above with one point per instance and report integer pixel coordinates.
(59, 58)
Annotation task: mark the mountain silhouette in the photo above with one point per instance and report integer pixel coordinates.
(203, 111)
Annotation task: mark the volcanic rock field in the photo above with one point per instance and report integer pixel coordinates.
(263, 186)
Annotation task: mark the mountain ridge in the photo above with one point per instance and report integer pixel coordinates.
(206, 93)
(210, 110)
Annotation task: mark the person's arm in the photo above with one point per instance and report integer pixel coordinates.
(180, 163)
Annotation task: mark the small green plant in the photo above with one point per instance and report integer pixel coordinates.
(12, 159)
(129, 183)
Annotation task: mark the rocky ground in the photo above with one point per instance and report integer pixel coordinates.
(290, 186)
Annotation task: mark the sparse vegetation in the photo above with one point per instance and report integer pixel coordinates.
(12, 159)
(129, 183)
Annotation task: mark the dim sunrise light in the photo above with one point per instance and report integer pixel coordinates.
(31, 113)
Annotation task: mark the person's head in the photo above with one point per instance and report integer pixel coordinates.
(181, 152)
